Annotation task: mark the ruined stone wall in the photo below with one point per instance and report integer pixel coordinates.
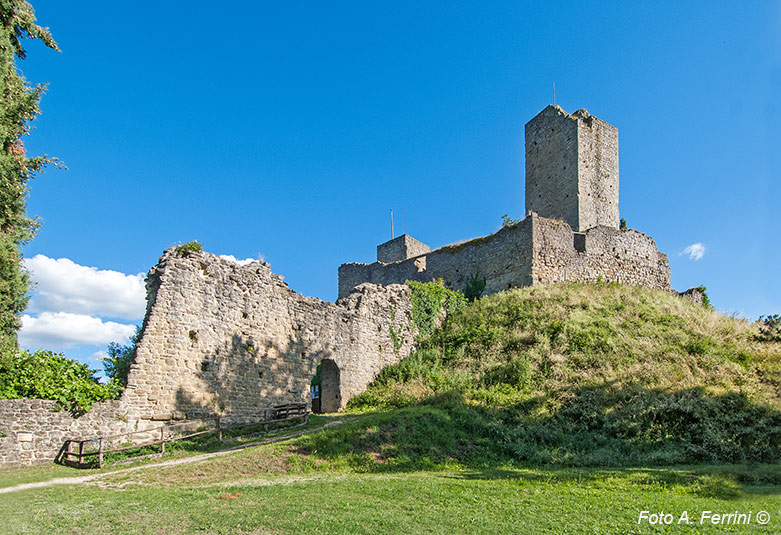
(611, 255)
(503, 259)
(220, 337)
(33, 430)
(538, 250)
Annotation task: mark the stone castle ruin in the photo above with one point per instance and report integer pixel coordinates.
(222, 338)
(571, 231)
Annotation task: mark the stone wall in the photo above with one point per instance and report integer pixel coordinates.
(220, 337)
(33, 431)
(607, 254)
(503, 259)
(537, 250)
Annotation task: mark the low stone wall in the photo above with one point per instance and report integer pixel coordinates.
(32, 431)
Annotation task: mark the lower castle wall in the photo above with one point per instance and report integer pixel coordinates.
(33, 430)
(503, 259)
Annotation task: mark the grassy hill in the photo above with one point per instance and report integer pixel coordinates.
(571, 374)
(478, 432)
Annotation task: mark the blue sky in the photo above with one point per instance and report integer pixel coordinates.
(288, 130)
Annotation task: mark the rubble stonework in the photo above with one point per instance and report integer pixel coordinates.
(221, 338)
(571, 232)
(33, 430)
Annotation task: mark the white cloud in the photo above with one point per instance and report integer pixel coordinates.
(61, 285)
(231, 258)
(98, 356)
(61, 330)
(695, 251)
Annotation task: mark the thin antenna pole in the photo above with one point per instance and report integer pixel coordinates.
(554, 93)
(392, 234)
(405, 220)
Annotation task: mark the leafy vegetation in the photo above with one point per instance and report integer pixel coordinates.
(507, 221)
(47, 375)
(705, 299)
(190, 247)
(20, 107)
(117, 365)
(770, 328)
(475, 285)
(429, 300)
(587, 374)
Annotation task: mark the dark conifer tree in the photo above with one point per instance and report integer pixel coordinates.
(19, 107)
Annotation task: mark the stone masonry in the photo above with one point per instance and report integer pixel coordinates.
(221, 338)
(571, 232)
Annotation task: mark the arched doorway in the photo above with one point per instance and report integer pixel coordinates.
(330, 395)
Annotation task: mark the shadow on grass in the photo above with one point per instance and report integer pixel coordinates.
(711, 481)
(593, 433)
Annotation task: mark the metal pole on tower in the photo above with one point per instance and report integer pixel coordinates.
(554, 93)
(392, 234)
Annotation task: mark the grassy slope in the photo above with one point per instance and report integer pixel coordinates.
(585, 374)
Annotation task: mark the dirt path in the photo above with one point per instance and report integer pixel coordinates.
(171, 462)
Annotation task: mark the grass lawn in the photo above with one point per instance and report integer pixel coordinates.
(225, 496)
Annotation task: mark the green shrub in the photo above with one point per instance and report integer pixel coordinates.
(705, 299)
(475, 286)
(770, 328)
(429, 299)
(52, 376)
(117, 365)
(188, 248)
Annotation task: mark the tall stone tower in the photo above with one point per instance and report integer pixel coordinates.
(572, 168)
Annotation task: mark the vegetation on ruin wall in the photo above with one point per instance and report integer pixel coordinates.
(429, 301)
(47, 375)
(588, 374)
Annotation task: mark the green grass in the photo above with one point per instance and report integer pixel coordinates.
(561, 409)
(599, 374)
(10, 477)
(460, 501)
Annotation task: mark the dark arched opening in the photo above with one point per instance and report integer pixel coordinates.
(330, 395)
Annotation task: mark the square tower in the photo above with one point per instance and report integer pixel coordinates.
(400, 248)
(572, 168)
